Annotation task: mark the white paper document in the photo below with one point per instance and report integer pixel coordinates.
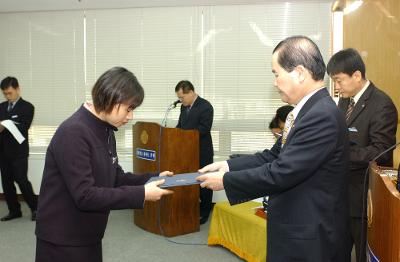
(9, 124)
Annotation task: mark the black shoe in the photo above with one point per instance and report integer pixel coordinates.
(33, 216)
(11, 216)
(203, 220)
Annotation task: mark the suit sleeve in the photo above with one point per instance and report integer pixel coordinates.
(129, 179)
(72, 155)
(26, 118)
(381, 135)
(256, 160)
(312, 144)
(206, 119)
(2, 111)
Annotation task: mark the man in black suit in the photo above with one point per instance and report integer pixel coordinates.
(305, 172)
(14, 156)
(197, 113)
(371, 119)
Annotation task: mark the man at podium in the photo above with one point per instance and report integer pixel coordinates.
(197, 113)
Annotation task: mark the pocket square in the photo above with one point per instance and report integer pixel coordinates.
(353, 129)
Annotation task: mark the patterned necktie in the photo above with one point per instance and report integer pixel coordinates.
(288, 125)
(350, 109)
(10, 106)
(187, 112)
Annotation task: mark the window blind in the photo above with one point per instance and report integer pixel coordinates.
(44, 51)
(225, 51)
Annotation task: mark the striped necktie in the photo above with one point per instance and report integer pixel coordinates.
(10, 106)
(187, 112)
(288, 125)
(350, 109)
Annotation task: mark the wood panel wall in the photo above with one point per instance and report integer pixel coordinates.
(374, 30)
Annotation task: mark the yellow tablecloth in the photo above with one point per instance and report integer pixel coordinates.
(240, 230)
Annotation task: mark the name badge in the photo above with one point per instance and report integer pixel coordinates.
(14, 116)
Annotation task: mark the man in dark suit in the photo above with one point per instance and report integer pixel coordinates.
(305, 172)
(197, 113)
(371, 119)
(14, 156)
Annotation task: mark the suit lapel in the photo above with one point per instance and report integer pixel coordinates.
(306, 107)
(343, 104)
(361, 104)
(186, 119)
(17, 105)
(195, 105)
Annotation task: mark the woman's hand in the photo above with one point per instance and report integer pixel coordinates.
(153, 193)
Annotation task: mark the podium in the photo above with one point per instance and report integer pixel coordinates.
(156, 149)
(383, 216)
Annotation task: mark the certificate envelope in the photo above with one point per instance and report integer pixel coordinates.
(10, 125)
(185, 179)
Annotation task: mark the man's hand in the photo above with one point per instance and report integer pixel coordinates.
(153, 193)
(166, 173)
(221, 166)
(212, 180)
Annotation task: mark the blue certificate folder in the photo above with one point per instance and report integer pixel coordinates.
(185, 179)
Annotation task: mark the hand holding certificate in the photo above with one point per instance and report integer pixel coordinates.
(185, 179)
(153, 191)
(212, 180)
(213, 174)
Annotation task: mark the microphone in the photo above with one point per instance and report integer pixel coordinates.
(364, 196)
(170, 107)
(398, 169)
(176, 102)
(398, 179)
(385, 151)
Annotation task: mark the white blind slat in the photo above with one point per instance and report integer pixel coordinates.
(225, 51)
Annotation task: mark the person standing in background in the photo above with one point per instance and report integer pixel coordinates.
(14, 156)
(197, 113)
(371, 119)
(277, 123)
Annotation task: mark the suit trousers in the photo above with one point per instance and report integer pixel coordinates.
(16, 170)
(206, 194)
(49, 252)
(359, 237)
(205, 201)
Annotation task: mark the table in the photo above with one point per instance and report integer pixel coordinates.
(238, 229)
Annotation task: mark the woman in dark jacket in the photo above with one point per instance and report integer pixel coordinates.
(82, 180)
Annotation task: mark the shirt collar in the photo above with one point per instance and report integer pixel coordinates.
(94, 119)
(359, 94)
(15, 102)
(194, 101)
(302, 102)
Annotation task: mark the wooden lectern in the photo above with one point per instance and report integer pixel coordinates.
(383, 216)
(157, 149)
